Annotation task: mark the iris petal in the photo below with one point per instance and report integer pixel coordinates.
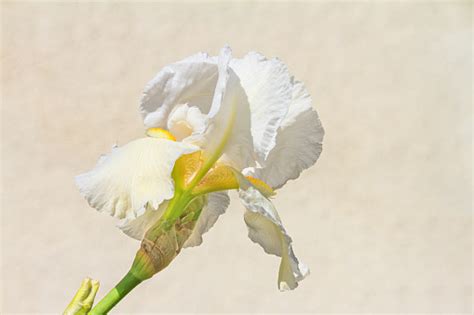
(216, 205)
(298, 143)
(190, 81)
(266, 229)
(268, 86)
(130, 177)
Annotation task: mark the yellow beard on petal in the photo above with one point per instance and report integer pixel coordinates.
(263, 187)
(222, 177)
(160, 133)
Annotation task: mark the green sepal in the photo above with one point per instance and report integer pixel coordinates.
(164, 240)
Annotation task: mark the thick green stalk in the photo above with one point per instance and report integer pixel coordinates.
(143, 266)
(116, 294)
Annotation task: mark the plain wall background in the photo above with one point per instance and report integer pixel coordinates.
(383, 220)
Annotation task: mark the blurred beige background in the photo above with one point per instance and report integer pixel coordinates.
(384, 219)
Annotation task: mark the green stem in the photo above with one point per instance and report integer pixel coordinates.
(116, 294)
(131, 280)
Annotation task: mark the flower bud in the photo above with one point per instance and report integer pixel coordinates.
(84, 298)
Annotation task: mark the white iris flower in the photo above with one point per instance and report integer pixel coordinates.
(213, 124)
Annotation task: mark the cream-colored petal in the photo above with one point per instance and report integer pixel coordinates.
(228, 132)
(137, 227)
(132, 176)
(178, 113)
(191, 81)
(197, 120)
(217, 203)
(268, 86)
(185, 121)
(298, 143)
(266, 229)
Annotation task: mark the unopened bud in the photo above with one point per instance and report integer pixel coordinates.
(84, 299)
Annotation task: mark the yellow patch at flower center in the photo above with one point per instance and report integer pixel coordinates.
(160, 133)
(220, 177)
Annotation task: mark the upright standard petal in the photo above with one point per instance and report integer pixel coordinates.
(191, 81)
(228, 132)
(131, 177)
(298, 143)
(266, 229)
(216, 204)
(268, 86)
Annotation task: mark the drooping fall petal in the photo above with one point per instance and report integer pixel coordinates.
(266, 229)
(130, 177)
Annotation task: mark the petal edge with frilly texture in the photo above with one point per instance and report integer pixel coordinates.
(298, 143)
(130, 177)
(190, 81)
(266, 229)
(267, 84)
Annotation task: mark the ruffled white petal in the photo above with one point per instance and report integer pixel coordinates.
(206, 85)
(191, 81)
(229, 118)
(266, 229)
(136, 228)
(250, 93)
(268, 86)
(132, 176)
(298, 143)
(216, 205)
